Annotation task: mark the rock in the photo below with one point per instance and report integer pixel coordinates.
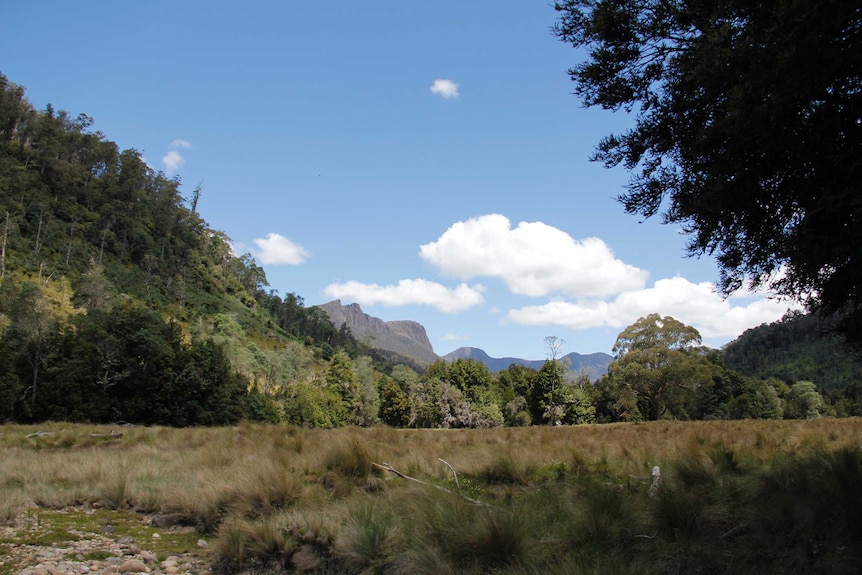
(127, 540)
(202, 544)
(165, 520)
(149, 557)
(156, 535)
(133, 566)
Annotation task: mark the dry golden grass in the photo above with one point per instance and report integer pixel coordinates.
(559, 496)
(257, 465)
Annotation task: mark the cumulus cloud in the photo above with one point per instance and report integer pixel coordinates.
(533, 259)
(445, 88)
(276, 249)
(172, 161)
(695, 304)
(410, 292)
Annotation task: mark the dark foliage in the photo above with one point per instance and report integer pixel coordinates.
(747, 134)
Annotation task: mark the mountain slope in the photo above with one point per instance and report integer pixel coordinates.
(595, 364)
(798, 347)
(407, 338)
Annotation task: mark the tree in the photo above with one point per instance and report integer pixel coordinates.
(803, 402)
(659, 361)
(554, 344)
(748, 133)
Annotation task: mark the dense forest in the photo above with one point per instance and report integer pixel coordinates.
(118, 303)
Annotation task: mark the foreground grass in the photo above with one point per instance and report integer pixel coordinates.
(736, 497)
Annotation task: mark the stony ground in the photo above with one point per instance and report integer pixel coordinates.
(83, 541)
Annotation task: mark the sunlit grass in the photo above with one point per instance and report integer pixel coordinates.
(739, 496)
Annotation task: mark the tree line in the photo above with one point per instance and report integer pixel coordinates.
(118, 303)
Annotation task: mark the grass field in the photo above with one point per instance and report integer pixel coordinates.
(735, 497)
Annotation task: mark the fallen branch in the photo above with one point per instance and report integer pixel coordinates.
(113, 434)
(386, 467)
(39, 434)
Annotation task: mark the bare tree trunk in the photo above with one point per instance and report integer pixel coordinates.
(39, 234)
(3, 249)
(102, 247)
(71, 237)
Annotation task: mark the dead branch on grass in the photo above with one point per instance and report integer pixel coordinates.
(386, 467)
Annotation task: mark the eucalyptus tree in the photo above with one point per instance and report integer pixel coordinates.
(658, 361)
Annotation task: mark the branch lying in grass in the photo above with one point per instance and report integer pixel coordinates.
(113, 434)
(386, 467)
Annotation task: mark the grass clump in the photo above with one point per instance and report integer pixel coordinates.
(369, 538)
(504, 470)
(351, 459)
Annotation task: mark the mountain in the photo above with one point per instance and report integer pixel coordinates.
(406, 338)
(594, 364)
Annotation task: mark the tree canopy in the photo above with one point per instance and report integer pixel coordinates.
(658, 363)
(748, 132)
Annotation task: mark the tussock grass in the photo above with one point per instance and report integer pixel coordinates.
(741, 496)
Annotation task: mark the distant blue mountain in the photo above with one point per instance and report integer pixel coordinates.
(594, 364)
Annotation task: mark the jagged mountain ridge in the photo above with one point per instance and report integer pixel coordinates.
(404, 337)
(409, 339)
(594, 364)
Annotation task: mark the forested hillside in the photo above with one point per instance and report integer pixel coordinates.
(118, 303)
(799, 347)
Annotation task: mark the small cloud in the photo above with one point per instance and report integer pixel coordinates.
(454, 337)
(173, 160)
(410, 292)
(445, 88)
(180, 144)
(276, 249)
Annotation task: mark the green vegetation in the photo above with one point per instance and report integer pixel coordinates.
(740, 497)
(119, 304)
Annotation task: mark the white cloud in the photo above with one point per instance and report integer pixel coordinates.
(277, 250)
(445, 88)
(694, 304)
(410, 292)
(173, 160)
(533, 259)
(454, 337)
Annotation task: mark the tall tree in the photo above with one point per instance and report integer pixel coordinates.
(748, 132)
(658, 360)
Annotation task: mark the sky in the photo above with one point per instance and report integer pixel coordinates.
(427, 161)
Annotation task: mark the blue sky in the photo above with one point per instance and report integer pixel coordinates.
(425, 160)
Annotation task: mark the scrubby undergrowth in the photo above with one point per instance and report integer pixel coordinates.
(735, 497)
